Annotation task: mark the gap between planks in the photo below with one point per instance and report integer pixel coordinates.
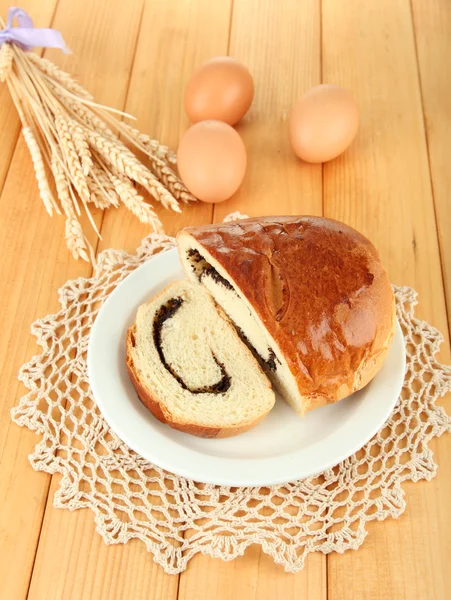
(431, 178)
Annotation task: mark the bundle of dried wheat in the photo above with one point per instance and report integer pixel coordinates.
(77, 141)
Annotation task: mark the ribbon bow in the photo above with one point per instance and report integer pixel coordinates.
(26, 36)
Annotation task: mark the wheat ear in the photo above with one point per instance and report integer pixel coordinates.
(38, 163)
(59, 76)
(6, 61)
(80, 141)
(135, 203)
(126, 163)
(103, 192)
(169, 179)
(81, 146)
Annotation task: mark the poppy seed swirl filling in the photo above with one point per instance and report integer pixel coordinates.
(164, 313)
(202, 268)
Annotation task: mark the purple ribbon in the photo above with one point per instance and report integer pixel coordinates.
(26, 36)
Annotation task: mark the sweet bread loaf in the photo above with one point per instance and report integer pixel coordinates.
(308, 295)
(190, 368)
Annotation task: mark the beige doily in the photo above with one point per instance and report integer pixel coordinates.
(177, 518)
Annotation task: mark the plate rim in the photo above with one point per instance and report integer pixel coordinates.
(248, 480)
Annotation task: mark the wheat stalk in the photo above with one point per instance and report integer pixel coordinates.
(146, 144)
(62, 186)
(6, 61)
(119, 157)
(58, 76)
(38, 163)
(79, 143)
(81, 146)
(169, 179)
(71, 155)
(75, 239)
(103, 192)
(134, 202)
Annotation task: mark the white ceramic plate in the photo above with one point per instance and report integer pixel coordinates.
(283, 447)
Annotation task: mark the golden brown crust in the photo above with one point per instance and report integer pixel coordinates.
(320, 290)
(163, 415)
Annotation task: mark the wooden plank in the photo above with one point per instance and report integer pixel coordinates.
(253, 576)
(382, 187)
(432, 27)
(35, 263)
(22, 492)
(185, 35)
(42, 13)
(74, 562)
(282, 50)
(188, 34)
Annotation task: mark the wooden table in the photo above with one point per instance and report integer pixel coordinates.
(394, 185)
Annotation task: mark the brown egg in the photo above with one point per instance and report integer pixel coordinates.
(221, 89)
(323, 123)
(211, 160)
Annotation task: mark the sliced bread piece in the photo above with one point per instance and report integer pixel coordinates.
(308, 295)
(190, 368)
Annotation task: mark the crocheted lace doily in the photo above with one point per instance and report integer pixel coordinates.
(177, 518)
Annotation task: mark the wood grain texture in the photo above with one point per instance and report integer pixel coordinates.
(35, 263)
(42, 11)
(254, 576)
(282, 50)
(29, 291)
(432, 27)
(382, 187)
(75, 563)
(178, 32)
(22, 491)
(183, 36)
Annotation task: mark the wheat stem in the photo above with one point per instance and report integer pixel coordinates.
(79, 140)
